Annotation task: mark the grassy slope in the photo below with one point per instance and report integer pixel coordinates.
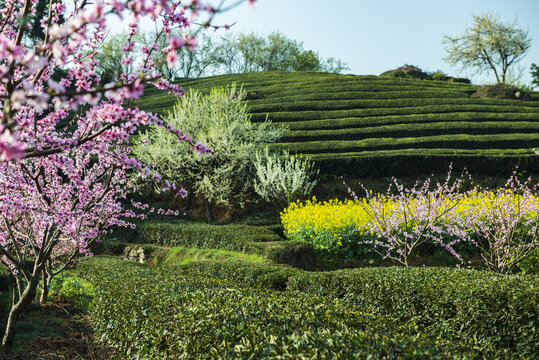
(361, 124)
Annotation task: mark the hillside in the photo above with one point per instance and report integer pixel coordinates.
(380, 126)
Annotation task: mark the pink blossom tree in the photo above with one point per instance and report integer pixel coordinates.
(63, 138)
(504, 223)
(405, 218)
(53, 207)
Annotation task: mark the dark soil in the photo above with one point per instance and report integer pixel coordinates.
(66, 330)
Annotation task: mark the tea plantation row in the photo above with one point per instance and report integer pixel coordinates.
(233, 310)
(363, 115)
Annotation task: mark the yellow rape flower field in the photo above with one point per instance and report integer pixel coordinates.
(310, 220)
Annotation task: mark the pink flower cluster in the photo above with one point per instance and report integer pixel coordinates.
(34, 101)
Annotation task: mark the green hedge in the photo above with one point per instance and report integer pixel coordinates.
(413, 130)
(357, 122)
(492, 310)
(486, 309)
(234, 237)
(158, 314)
(269, 277)
(424, 161)
(352, 95)
(454, 141)
(362, 104)
(285, 116)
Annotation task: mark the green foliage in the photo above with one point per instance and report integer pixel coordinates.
(243, 274)
(530, 264)
(220, 121)
(204, 59)
(534, 71)
(160, 313)
(491, 310)
(79, 291)
(252, 52)
(110, 58)
(281, 178)
(233, 237)
(411, 162)
(294, 253)
(488, 45)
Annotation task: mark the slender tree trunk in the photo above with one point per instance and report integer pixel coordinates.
(17, 309)
(45, 292)
(209, 211)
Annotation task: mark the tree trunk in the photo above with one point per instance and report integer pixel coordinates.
(209, 211)
(17, 309)
(45, 292)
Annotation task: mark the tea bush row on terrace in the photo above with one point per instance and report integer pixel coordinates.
(347, 109)
(385, 312)
(411, 162)
(260, 240)
(413, 129)
(458, 141)
(173, 313)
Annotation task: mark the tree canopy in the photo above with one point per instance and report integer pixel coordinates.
(488, 45)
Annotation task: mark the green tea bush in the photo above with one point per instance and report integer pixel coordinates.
(376, 103)
(273, 277)
(159, 314)
(285, 116)
(422, 161)
(453, 141)
(413, 130)
(234, 237)
(411, 119)
(489, 310)
(530, 265)
(76, 289)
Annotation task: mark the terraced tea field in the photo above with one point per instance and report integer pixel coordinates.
(379, 126)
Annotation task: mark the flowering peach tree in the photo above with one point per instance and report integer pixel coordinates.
(64, 135)
(406, 218)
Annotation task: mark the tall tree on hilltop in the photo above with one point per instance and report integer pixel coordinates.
(488, 45)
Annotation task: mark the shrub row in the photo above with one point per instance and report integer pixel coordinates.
(285, 116)
(355, 95)
(158, 102)
(157, 313)
(454, 141)
(236, 237)
(310, 82)
(413, 130)
(352, 122)
(489, 309)
(300, 105)
(414, 162)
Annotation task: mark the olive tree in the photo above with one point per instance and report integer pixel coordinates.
(221, 121)
(488, 45)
